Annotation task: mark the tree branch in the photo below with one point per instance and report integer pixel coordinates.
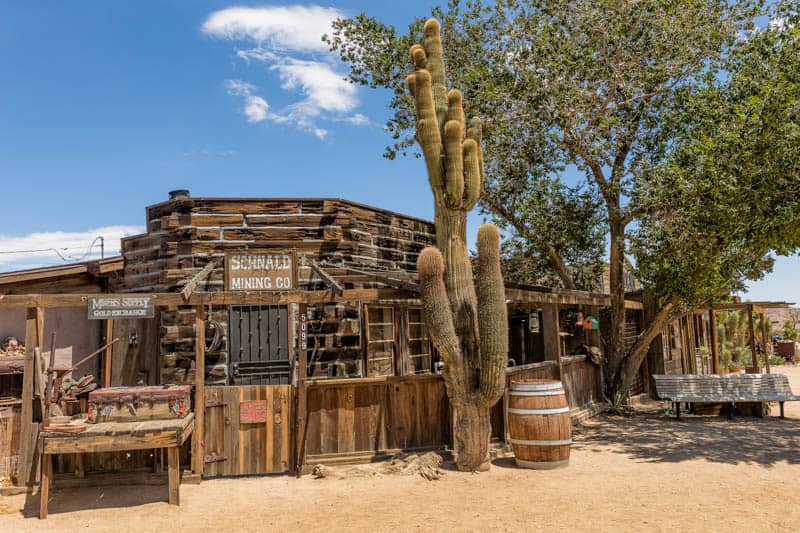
(559, 265)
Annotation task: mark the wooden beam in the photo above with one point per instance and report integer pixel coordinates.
(108, 332)
(712, 319)
(197, 278)
(383, 278)
(329, 280)
(29, 428)
(214, 298)
(550, 333)
(521, 298)
(752, 330)
(198, 450)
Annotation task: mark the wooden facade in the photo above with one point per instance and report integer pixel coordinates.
(338, 367)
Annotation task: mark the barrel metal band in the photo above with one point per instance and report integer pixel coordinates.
(555, 411)
(544, 386)
(542, 442)
(537, 393)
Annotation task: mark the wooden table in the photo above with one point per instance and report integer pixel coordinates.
(118, 437)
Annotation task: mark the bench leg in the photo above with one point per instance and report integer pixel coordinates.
(730, 410)
(781, 403)
(174, 466)
(677, 410)
(44, 486)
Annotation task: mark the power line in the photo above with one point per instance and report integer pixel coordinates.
(58, 251)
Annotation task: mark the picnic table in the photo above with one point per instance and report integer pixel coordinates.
(730, 389)
(117, 437)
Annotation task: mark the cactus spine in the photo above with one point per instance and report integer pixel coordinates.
(467, 322)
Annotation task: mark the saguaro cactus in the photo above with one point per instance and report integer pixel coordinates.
(467, 321)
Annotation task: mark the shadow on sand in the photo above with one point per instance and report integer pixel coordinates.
(659, 438)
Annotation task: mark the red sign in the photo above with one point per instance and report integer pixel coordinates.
(253, 412)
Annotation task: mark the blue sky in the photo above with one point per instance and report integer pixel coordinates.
(106, 106)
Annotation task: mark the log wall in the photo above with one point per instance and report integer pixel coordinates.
(185, 234)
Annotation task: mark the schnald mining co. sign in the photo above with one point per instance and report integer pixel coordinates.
(260, 271)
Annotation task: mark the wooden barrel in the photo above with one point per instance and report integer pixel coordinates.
(539, 423)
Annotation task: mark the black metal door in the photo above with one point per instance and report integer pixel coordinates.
(259, 344)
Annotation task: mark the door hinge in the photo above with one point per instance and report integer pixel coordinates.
(214, 459)
(215, 403)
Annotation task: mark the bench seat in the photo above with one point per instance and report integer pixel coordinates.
(731, 389)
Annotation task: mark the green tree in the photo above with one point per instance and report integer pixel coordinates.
(682, 118)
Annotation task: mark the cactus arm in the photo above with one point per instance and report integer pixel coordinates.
(454, 163)
(437, 314)
(472, 174)
(492, 315)
(475, 132)
(432, 42)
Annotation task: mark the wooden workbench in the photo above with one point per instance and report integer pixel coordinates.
(118, 437)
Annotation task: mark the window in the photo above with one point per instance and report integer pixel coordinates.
(419, 358)
(380, 337)
(397, 341)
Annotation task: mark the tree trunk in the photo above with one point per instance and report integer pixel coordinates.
(638, 351)
(616, 345)
(472, 429)
(560, 267)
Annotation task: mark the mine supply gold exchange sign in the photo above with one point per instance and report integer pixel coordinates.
(260, 270)
(134, 306)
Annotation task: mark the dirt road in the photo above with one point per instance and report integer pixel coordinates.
(646, 473)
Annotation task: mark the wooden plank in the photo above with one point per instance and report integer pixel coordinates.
(190, 286)
(301, 413)
(198, 450)
(108, 331)
(329, 280)
(712, 319)
(174, 467)
(751, 329)
(44, 487)
(26, 473)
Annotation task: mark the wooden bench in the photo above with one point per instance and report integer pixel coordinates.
(730, 389)
(117, 437)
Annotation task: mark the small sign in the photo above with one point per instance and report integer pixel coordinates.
(303, 336)
(103, 307)
(253, 412)
(260, 271)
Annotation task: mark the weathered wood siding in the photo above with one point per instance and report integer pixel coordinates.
(236, 447)
(581, 380)
(185, 234)
(377, 415)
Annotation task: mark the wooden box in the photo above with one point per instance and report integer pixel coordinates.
(128, 404)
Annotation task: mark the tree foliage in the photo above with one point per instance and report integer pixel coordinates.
(680, 120)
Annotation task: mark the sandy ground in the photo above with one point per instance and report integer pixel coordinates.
(646, 473)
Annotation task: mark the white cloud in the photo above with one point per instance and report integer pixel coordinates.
(325, 89)
(60, 247)
(255, 108)
(285, 37)
(292, 28)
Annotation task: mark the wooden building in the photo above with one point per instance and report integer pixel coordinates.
(298, 321)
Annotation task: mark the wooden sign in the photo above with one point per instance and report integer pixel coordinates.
(260, 271)
(134, 306)
(253, 412)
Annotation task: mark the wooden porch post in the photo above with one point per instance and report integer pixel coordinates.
(752, 338)
(108, 332)
(712, 319)
(198, 451)
(766, 341)
(301, 415)
(29, 429)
